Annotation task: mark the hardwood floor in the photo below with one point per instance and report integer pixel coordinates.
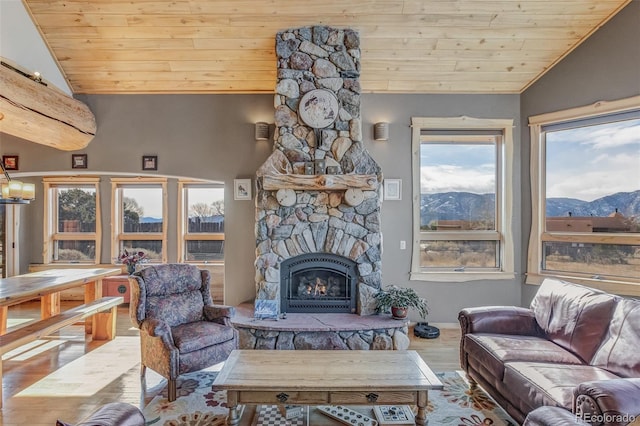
(67, 376)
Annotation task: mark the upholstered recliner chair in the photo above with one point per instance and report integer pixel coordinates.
(181, 330)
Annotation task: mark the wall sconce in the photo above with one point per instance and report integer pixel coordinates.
(262, 131)
(381, 131)
(14, 191)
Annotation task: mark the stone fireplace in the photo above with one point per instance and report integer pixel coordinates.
(318, 193)
(318, 240)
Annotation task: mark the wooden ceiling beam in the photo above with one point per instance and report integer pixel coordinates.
(42, 114)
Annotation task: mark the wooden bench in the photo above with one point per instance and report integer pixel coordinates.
(103, 313)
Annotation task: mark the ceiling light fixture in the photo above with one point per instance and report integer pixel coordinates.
(15, 191)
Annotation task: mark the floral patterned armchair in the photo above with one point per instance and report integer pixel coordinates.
(181, 330)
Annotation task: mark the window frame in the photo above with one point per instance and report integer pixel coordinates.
(504, 200)
(117, 234)
(50, 228)
(183, 226)
(538, 234)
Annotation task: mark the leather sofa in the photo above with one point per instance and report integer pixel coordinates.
(552, 416)
(575, 347)
(111, 414)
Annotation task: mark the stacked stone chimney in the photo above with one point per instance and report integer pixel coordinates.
(319, 191)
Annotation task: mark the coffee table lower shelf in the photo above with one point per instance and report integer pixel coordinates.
(312, 416)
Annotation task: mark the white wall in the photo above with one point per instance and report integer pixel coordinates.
(21, 44)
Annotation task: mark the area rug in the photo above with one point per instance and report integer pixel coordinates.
(198, 405)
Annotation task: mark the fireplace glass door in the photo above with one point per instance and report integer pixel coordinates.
(318, 282)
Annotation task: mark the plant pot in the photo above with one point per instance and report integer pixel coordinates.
(399, 313)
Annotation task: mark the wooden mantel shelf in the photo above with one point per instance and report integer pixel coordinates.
(320, 182)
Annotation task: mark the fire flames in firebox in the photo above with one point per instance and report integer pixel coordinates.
(313, 287)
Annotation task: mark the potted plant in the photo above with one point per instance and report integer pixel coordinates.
(399, 300)
(131, 259)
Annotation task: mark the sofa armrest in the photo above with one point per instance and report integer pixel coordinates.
(156, 328)
(552, 416)
(615, 402)
(112, 414)
(499, 320)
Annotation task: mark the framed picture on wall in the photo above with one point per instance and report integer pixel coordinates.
(393, 189)
(10, 162)
(78, 161)
(242, 189)
(149, 162)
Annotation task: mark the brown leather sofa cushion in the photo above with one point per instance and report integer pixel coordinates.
(620, 351)
(552, 416)
(573, 316)
(111, 414)
(549, 384)
(493, 350)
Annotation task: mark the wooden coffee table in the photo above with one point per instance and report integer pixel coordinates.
(339, 377)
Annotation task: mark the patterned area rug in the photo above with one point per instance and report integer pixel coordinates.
(198, 405)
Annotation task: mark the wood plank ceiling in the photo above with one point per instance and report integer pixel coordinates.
(228, 46)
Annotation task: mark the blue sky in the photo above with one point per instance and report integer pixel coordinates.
(591, 162)
(151, 198)
(584, 163)
(459, 168)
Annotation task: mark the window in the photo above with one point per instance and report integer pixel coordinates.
(586, 193)
(202, 230)
(139, 217)
(72, 224)
(460, 198)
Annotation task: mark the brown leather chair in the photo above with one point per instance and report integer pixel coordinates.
(181, 330)
(112, 414)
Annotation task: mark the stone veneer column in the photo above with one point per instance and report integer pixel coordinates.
(291, 222)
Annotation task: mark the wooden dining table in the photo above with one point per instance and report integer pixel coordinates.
(47, 285)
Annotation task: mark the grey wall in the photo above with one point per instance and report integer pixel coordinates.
(605, 67)
(199, 136)
(211, 137)
(445, 299)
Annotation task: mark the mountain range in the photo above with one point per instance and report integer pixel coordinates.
(469, 206)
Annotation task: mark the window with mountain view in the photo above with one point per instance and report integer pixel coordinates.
(72, 220)
(589, 218)
(461, 193)
(203, 227)
(140, 208)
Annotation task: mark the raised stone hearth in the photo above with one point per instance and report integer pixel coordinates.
(320, 331)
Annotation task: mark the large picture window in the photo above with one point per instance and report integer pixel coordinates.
(139, 217)
(202, 230)
(459, 193)
(72, 222)
(586, 193)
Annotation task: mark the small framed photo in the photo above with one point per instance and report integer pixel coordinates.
(10, 162)
(320, 166)
(242, 189)
(266, 309)
(393, 189)
(149, 162)
(78, 161)
(309, 168)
